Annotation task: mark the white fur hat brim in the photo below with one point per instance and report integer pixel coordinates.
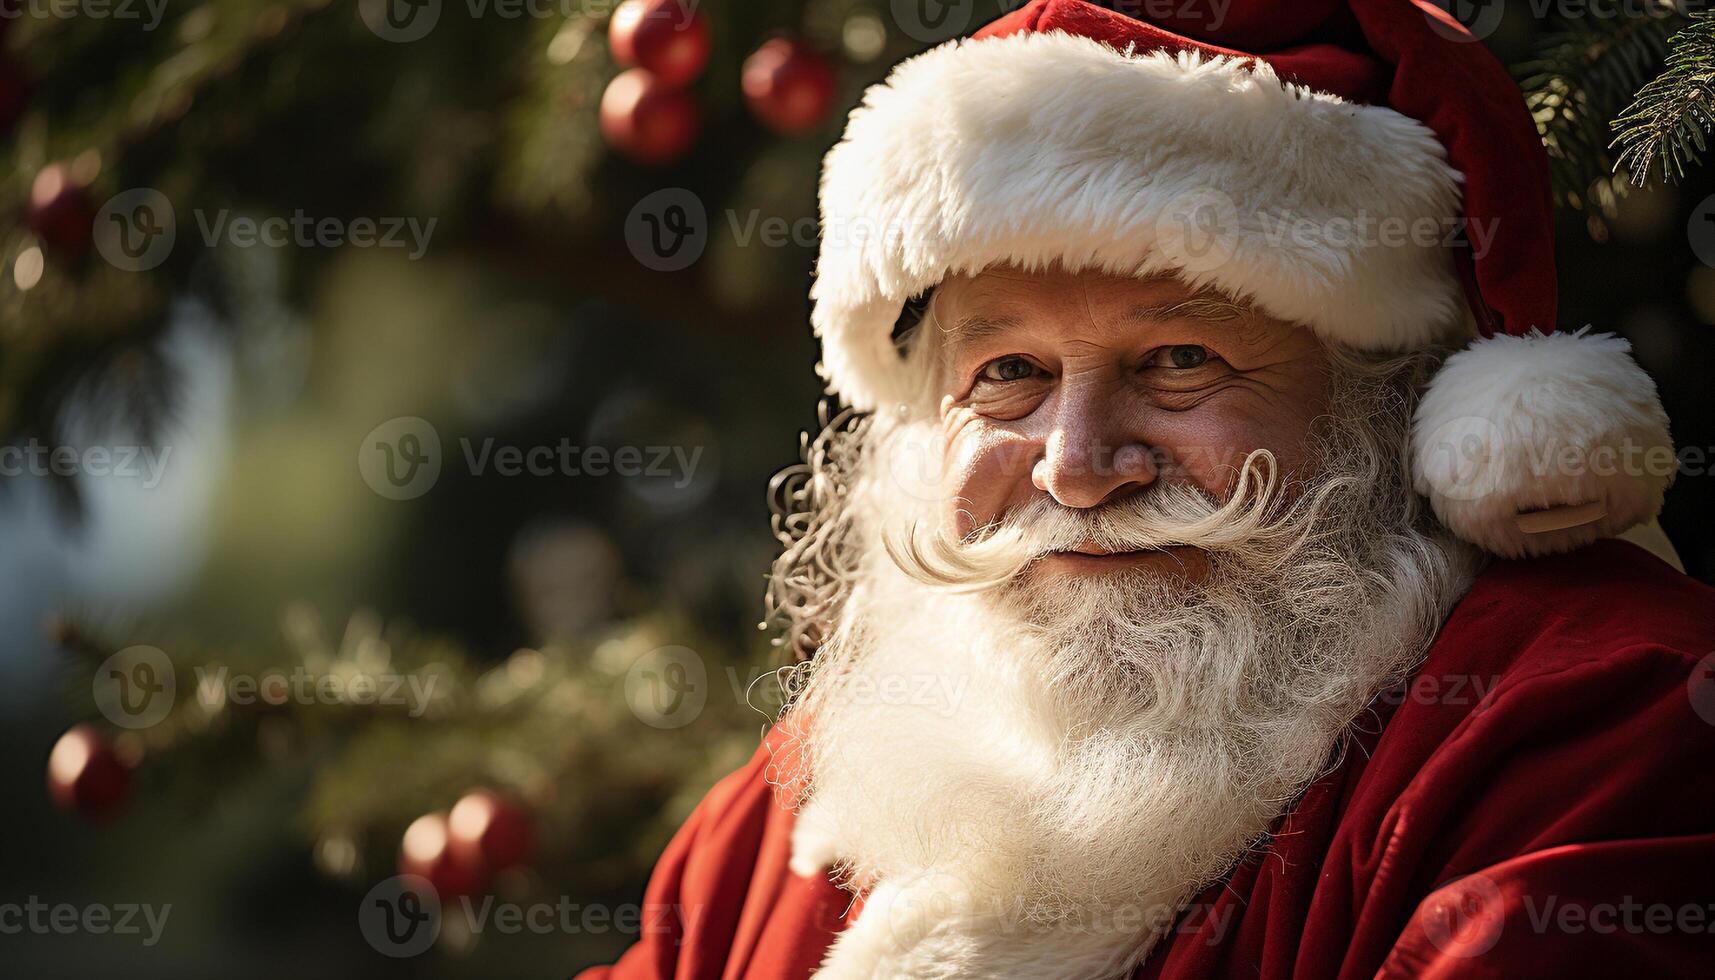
(1042, 148)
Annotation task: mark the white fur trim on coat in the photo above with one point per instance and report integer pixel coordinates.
(1048, 147)
(1513, 424)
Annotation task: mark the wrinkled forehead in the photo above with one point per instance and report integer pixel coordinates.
(1053, 303)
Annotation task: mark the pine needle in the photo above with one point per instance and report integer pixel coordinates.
(1669, 119)
(1584, 72)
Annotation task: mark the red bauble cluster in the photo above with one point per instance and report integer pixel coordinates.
(60, 211)
(86, 776)
(645, 112)
(459, 851)
(788, 86)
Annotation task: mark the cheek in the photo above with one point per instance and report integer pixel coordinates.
(988, 471)
(1207, 447)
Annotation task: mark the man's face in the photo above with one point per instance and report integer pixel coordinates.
(1088, 388)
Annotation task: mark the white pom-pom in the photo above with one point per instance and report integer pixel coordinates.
(1514, 426)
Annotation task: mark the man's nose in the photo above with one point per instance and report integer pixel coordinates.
(1091, 455)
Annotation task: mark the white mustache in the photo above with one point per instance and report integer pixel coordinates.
(1161, 517)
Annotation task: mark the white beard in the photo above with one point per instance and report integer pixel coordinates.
(1031, 779)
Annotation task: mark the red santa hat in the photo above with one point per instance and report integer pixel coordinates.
(1361, 167)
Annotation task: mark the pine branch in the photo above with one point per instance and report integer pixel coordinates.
(1583, 74)
(1668, 120)
(375, 723)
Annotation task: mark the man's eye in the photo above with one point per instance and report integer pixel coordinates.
(1011, 368)
(1180, 357)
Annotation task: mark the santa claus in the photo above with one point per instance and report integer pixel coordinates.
(1226, 568)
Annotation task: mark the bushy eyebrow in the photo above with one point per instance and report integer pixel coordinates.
(974, 327)
(1204, 306)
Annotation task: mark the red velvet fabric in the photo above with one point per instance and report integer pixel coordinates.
(1538, 802)
(1409, 56)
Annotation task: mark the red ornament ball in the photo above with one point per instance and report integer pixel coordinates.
(490, 832)
(14, 94)
(86, 776)
(668, 37)
(646, 120)
(788, 86)
(60, 211)
(426, 850)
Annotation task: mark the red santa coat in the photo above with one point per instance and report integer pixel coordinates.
(1539, 801)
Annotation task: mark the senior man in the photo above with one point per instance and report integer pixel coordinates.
(1175, 604)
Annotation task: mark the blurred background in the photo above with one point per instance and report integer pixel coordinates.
(389, 396)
